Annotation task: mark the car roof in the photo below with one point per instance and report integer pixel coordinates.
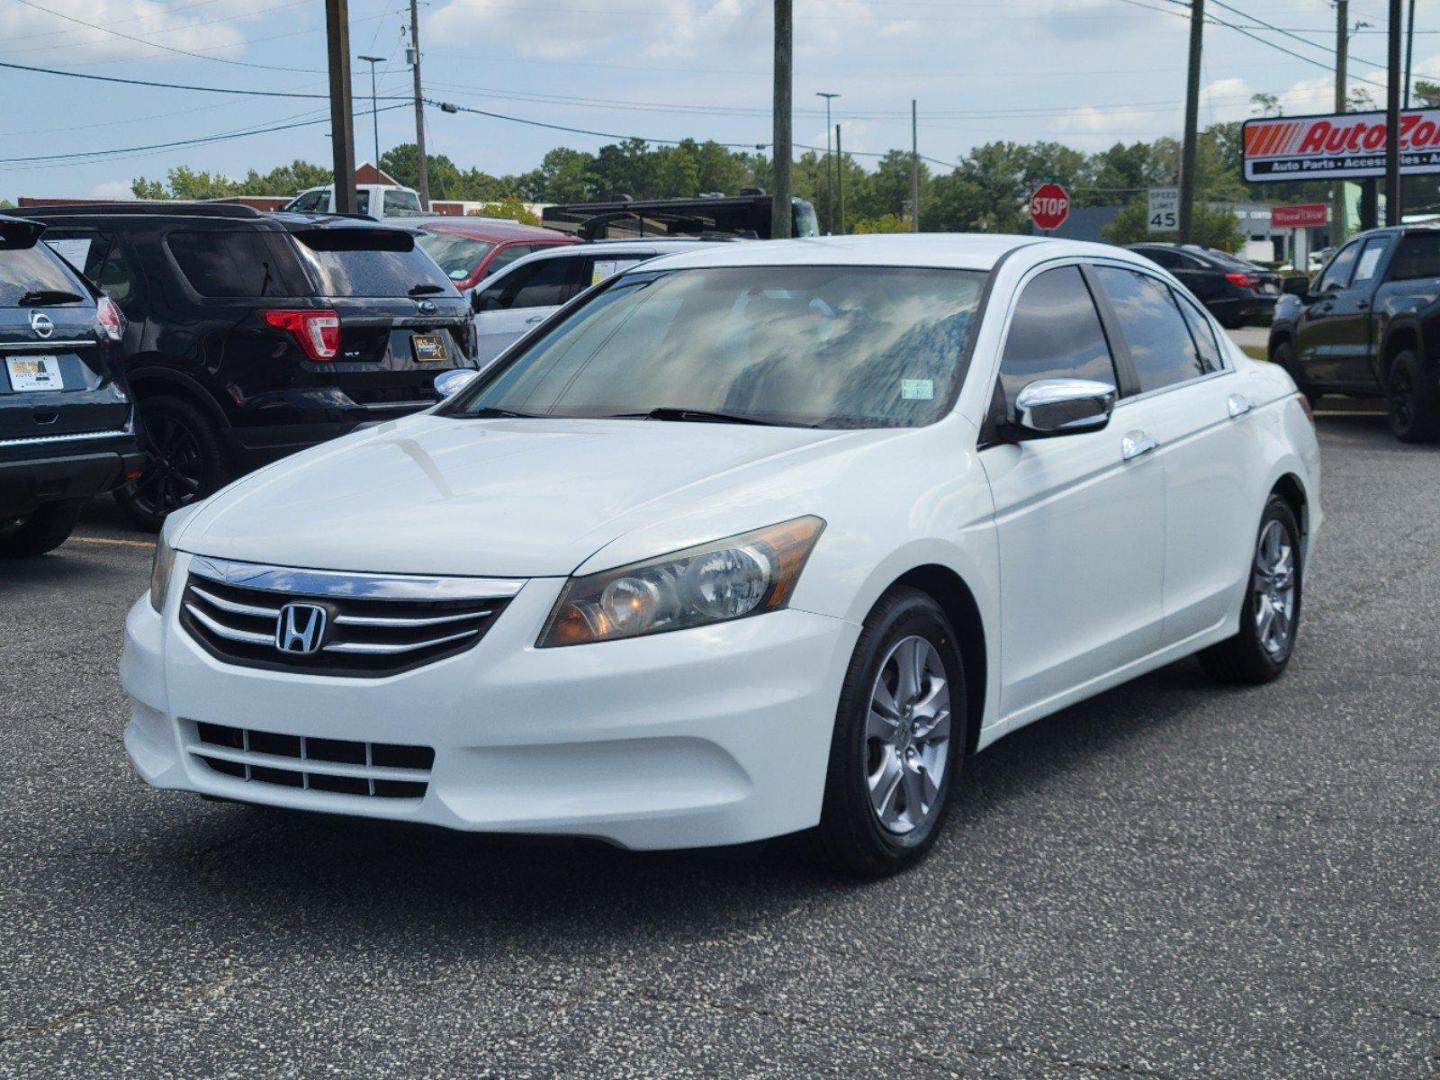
(497, 230)
(960, 251)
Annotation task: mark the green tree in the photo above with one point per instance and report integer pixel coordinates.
(885, 223)
(1210, 226)
(509, 207)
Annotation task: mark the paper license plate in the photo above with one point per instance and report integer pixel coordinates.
(34, 373)
(428, 348)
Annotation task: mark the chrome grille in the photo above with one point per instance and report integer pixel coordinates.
(369, 626)
(338, 766)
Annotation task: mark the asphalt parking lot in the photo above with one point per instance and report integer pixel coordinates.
(1170, 881)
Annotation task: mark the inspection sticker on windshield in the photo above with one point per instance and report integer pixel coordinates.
(917, 389)
(34, 373)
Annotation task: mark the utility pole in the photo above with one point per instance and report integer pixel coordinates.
(342, 116)
(1338, 210)
(829, 174)
(374, 111)
(840, 178)
(1192, 115)
(419, 106)
(914, 170)
(1409, 52)
(1392, 119)
(781, 210)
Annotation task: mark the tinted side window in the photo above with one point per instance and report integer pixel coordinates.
(1211, 358)
(1417, 257)
(506, 256)
(1056, 333)
(1160, 344)
(1162, 257)
(546, 283)
(1337, 274)
(224, 264)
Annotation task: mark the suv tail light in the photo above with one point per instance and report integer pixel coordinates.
(110, 318)
(317, 331)
(1245, 281)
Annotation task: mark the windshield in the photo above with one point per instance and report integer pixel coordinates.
(457, 255)
(828, 346)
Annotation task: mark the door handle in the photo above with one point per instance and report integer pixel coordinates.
(1362, 305)
(533, 319)
(1239, 405)
(1136, 444)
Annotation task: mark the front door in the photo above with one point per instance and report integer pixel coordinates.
(1080, 519)
(1332, 335)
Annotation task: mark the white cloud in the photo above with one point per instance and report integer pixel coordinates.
(30, 33)
(112, 189)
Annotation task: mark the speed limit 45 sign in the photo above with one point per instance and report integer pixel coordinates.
(1163, 213)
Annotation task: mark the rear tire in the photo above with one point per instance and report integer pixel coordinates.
(185, 461)
(44, 530)
(1412, 399)
(906, 665)
(1255, 654)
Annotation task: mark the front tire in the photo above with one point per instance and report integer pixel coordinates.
(1412, 399)
(44, 530)
(1261, 649)
(899, 742)
(185, 461)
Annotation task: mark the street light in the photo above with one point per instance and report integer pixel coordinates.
(829, 176)
(374, 112)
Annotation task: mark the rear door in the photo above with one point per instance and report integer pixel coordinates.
(56, 377)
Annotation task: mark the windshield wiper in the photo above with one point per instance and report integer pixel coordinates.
(46, 297)
(425, 290)
(704, 416)
(491, 411)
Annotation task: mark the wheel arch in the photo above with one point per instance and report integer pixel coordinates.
(156, 380)
(1400, 336)
(953, 594)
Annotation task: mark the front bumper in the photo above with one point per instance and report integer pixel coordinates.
(717, 735)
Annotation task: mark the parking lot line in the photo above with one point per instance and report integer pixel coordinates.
(111, 540)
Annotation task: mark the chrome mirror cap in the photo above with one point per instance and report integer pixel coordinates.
(450, 383)
(1064, 406)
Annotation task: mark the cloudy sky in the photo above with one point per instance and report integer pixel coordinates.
(1083, 72)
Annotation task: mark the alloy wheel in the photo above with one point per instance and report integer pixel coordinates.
(1402, 405)
(1273, 587)
(907, 735)
(174, 471)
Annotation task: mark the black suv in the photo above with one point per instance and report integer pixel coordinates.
(1235, 292)
(254, 335)
(67, 428)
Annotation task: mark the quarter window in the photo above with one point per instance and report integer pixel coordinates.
(1161, 349)
(234, 263)
(1055, 333)
(1208, 349)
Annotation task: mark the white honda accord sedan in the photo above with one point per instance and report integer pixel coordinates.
(746, 541)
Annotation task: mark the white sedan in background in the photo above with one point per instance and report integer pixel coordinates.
(513, 301)
(759, 538)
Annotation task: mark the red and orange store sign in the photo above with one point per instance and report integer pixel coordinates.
(1345, 145)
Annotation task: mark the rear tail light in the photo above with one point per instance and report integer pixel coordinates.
(317, 331)
(1245, 281)
(110, 319)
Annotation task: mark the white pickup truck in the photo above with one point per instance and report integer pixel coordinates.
(378, 201)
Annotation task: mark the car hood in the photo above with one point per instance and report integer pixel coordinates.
(502, 497)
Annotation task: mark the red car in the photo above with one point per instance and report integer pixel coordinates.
(470, 249)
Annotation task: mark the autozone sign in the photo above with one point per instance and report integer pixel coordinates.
(1350, 145)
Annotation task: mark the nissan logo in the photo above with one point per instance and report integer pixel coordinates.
(300, 629)
(41, 324)
(427, 307)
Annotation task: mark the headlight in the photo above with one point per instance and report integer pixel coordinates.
(160, 571)
(741, 575)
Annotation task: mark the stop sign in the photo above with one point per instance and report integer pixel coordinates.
(1050, 206)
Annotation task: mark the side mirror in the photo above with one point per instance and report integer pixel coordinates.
(1296, 286)
(450, 383)
(1064, 406)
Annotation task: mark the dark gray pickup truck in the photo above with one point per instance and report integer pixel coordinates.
(1370, 327)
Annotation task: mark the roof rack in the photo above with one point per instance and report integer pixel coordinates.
(138, 207)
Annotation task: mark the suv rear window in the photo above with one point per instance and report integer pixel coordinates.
(24, 270)
(356, 262)
(234, 263)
